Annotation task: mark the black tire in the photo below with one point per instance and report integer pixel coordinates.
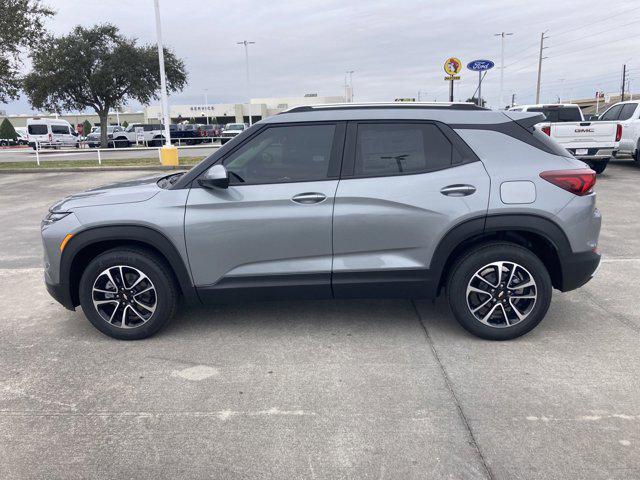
(473, 261)
(636, 155)
(158, 273)
(599, 167)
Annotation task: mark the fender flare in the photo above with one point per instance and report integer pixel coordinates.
(123, 233)
(479, 226)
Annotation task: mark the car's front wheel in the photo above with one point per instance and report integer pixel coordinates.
(128, 294)
(499, 291)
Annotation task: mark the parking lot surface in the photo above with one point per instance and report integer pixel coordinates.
(368, 389)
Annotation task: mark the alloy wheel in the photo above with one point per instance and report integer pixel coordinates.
(124, 296)
(501, 294)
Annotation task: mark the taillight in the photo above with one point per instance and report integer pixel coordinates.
(618, 132)
(579, 182)
(546, 129)
(50, 137)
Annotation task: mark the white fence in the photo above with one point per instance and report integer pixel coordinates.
(84, 148)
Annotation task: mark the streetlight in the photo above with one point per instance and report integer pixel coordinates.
(163, 81)
(502, 35)
(348, 91)
(246, 56)
(206, 103)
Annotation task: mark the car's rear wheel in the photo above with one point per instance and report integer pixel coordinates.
(600, 166)
(499, 291)
(128, 294)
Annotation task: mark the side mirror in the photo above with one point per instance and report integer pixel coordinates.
(216, 177)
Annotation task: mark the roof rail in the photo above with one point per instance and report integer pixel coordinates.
(386, 105)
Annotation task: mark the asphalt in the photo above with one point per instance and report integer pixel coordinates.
(367, 389)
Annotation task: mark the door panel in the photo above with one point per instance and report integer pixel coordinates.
(391, 224)
(258, 230)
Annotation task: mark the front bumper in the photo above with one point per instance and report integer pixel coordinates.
(578, 269)
(61, 294)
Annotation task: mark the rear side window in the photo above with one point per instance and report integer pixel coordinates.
(550, 144)
(559, 114)
(396, 149)
(60, 129)
(627, 111)
(612, 113)
(38, 129)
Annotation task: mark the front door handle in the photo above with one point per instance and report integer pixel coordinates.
(309, 197)
(458, 190)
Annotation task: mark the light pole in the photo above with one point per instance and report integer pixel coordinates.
(246, 56)
(206, 103)
(163, 82)
(502, 35)
(348, 88)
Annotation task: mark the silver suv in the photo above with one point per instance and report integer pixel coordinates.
(339, 201)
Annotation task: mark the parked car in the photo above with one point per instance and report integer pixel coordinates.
(210, 130)
(231, 130)
(185, 133)
(93, 139)
(627, 114)
(151, 134)
(50, 133)
(380, 200)
(22, 136)
(590, 142)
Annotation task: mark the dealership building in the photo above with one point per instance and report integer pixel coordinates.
(221, 113)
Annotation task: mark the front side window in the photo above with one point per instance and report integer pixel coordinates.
(283, 154)
(393, 149)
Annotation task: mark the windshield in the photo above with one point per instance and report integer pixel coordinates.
(234, 126)
(559, 114)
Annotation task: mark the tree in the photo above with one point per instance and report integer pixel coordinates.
(474, 100)
(98, 68)
(125, 124)
(86, 128)
(7, 130)
(21, 27)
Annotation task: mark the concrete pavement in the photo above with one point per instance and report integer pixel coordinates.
(323, 389)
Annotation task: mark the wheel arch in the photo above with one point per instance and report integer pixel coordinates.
(86, 245)
(540, 235)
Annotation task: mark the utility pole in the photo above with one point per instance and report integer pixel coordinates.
(624, 77)
(542, 47)
(163, 81)
(502, 35)
(246, 56)
(513, 99)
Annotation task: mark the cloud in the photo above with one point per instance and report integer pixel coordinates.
(395, 48)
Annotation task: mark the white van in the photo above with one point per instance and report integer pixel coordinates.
(50, 133)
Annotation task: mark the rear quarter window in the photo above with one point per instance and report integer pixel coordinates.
(627, 111)
(38, 129)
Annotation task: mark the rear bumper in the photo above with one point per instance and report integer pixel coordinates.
(578, 269)
(592, 153)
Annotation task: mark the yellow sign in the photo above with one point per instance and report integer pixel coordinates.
(452, 66)
(452, 77)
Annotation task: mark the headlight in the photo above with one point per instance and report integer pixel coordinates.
(53, 217)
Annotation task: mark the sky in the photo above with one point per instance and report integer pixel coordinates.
(396, 49)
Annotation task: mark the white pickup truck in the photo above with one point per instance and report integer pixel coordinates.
(591, 142)
(627, 114)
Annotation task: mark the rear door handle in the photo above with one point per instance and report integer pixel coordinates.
(458, 190)
(309, 197)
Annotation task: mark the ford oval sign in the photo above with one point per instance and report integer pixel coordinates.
(480, 65)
